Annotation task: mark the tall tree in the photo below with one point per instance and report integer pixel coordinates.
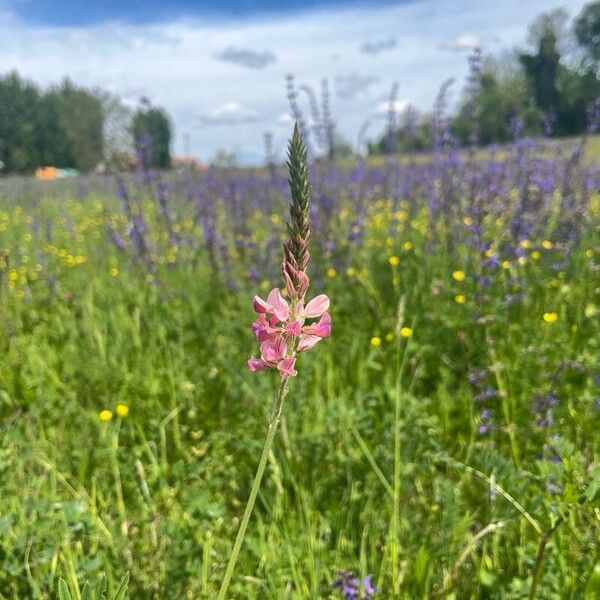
(587, 30)
(541, 68)
(152, 136)
(19, 123)
(81, 117)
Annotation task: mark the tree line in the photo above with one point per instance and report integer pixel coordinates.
(69, 126)
(549, 89)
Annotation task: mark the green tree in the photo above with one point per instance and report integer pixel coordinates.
(541, 70)
(502, 95)
(81, 120)
(587, 30)
(152, 136)
(19, 123)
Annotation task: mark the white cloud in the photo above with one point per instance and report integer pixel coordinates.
(246, 58)
(174, 63)
(230, 113)
(377, 46)
(284, 119)
(461, 43)
(353, 85)
(399, 106)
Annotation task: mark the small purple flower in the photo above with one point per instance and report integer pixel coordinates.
(486, 424)
(596, 379)
(477, 375)
(492, 262)
(543, 406)
(486, 394)
(351, 588)
(349, 585)
(553, 488)
(370, 589)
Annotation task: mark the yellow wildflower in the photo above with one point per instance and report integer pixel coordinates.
(460, 299)
(122, 410)
(105, 415)
(406, 332)
(458, 275)
(550, 317)
(375, 341)
(394, 261)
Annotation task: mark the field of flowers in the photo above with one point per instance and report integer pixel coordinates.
(443, 440)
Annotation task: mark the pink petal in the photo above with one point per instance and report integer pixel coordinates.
(273, 349)
(321, 329)
(279, 306)
(260, 306)
(263, 330)
(307, 342)
(294, 328)
(256, 364)
(317, 306)
(286, 367)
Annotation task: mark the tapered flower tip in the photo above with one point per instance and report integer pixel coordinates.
(316, 307)
(296, 282)
(286, 367)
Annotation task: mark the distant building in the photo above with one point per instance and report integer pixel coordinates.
(51, 173)
(188, 162)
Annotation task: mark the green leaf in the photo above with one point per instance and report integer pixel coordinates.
(87, 593)
(120, 595)
(63, 590)
(592, 589)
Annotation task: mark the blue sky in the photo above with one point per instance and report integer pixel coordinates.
(89, 12)
(219, 67)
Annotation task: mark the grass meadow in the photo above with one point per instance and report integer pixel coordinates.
(444, 439)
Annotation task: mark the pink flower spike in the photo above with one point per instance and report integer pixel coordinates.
(273, 349)
(286, 367)
(317, 306)
(321, 329)
(256, 364)
(307, 342)
(260, 306)
(278, 306)
(293, 328)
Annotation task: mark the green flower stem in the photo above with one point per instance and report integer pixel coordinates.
(273, 424)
